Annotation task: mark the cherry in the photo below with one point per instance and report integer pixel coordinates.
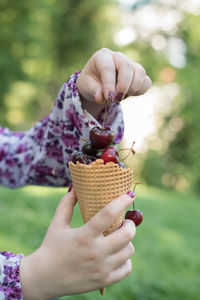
(93, 158)
(101, 137)
(134, 215)
(110, 154)
(88, 149)
(81, 157)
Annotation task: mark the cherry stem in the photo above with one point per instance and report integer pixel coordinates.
(105, 115)
(131, 150)
(137, 182)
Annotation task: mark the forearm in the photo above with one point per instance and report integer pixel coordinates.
(30, 157)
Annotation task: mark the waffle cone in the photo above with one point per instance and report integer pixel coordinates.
(97, 184)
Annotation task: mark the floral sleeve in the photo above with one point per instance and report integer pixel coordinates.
(10, 288)
(30, 157)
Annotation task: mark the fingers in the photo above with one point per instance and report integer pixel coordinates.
(137, 79)
(106, 216)
(144, 87)
(119, 238)
(131, 77)
(99, 97)
(105, 67)
(125, 72)
(64, 210)
(120, 273)
(111, 76)
(119, 258)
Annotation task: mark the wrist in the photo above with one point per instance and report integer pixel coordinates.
(31, 278)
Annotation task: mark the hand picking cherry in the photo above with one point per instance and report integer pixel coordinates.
(110, 154)
(101, 137)
(80, 157)
(134, 215)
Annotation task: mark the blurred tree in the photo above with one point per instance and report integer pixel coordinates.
(41, 44)
(178, 164)
(183, 151)
(166, 38)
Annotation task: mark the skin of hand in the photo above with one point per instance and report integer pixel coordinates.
(110, 76)
(76, 260)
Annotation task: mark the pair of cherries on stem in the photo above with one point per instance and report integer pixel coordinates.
(134, 215)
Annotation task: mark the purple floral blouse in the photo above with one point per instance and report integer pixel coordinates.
(30, 157)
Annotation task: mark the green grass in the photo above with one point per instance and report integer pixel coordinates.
(166, 264)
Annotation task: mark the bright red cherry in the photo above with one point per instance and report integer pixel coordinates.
(134, 215)
(81, 157)
(110, 154)
(88, 149)
(101, 137)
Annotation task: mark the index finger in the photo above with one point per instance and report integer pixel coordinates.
(107, 215)
(106, 69)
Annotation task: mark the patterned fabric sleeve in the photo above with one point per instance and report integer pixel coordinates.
(10, 288)
(30, 157)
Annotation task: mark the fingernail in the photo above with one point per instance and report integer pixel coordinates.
(111, 96)
(131, 194)
(119, 96)
(70, 187)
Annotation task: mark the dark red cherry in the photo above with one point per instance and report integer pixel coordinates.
(110, 154)
(134, 215)
(93, 158)
(101, 137)
(88, 149)
(80, 157)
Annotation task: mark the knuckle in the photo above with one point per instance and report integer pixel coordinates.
(108, 214)
(120, 56)
(94, 255)
(142, 71)
(101, 274)
(131, 249)
(82, 240)
(104, 50)
(107, 69)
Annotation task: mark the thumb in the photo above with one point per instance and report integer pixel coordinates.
(64, 211)
(99, 97)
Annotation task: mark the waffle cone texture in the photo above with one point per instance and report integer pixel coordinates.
(97, 184)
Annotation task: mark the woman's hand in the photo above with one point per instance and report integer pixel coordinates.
(77, 260)
(111, 76)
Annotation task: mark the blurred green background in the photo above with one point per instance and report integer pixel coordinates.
(42, 42)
